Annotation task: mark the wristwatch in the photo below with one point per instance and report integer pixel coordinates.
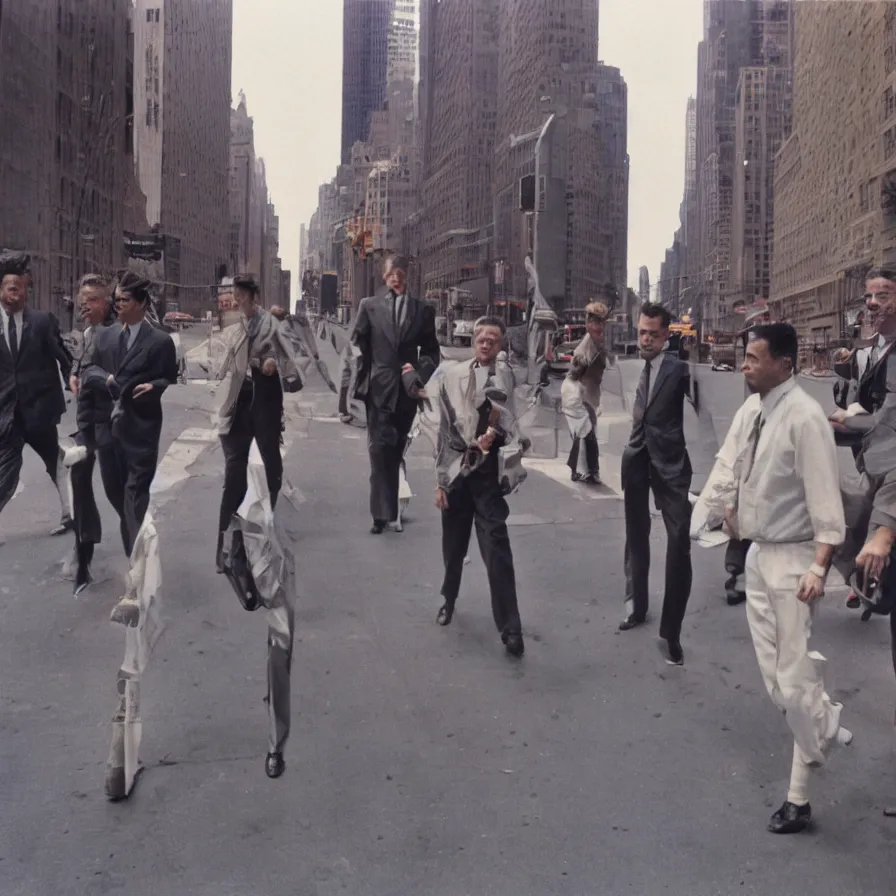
(818, 570)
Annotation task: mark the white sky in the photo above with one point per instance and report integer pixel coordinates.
(287, 56)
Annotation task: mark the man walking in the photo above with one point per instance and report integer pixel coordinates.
(474, 424)
(96, 309)
(32, 402)
(656, 459)
(251, 404)
(780, 465)
(125, 371)
(580, 396)
(397, 351)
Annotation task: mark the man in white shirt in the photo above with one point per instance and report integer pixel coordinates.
(777, 477)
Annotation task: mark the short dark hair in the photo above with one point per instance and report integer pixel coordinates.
(781, 339)
(882, 273)
(402, 262)
(654, 311)
(14, 264)
(139, 287)
(489, 321)
(246, 282)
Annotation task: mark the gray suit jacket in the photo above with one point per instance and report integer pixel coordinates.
(383, 352)
(663, 424)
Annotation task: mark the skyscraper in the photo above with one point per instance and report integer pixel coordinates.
(548, 106)
(365, 47)
(460, 84)
(182, 123)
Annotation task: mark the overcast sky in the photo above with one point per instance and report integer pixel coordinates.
(287, 56)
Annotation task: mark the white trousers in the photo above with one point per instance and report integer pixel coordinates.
(781, 627)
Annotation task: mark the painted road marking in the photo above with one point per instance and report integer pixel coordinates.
(556, 469)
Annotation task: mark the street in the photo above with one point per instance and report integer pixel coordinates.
(422, 760)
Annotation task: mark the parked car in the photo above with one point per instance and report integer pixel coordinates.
(178, 319)
(561, 357)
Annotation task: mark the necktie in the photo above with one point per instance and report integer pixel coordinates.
(755, 433)
(13, 339)
(122, 344)
(395, 312)
(875, 354)
(645, 384)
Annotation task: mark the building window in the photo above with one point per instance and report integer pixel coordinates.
(148, 15)
(149, 113)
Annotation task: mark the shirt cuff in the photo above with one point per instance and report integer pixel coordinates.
(831, 537)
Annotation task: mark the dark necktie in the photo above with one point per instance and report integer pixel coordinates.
(122, 344)
(13, 339)
(395, 312)
(636, 440)
(645, 384)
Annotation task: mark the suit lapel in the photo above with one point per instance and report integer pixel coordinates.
(871, 369)
(410, 316)
(661, 376)
(385, 310)
(141, 337)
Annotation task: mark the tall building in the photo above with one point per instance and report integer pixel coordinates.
(835, 175)
(644, 283)
(65, 154)
(248, 195)
(365, 47)
(763, 121)
(182, 63)
(547, 107)
(459, 97)
(729, 45)
(611, 244)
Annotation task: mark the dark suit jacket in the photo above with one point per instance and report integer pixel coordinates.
(663, 421)
(137, 423)
(31, 389)
(384, 353)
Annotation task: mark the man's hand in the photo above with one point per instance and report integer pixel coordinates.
(269, 368)
(142, 389)
(441, 498)
(839, 416)
(729, 527)
(486, 440)
(74, 384)
(110, 380)
(875, 555)
(811, 587)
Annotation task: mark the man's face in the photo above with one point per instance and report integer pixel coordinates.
(93, 304)
(761, 371)
(14, 293)
(652, 336)
(129, 310)
(395, 278)
(595, 327)
(880, 300)
(487, 344)
(245, 301)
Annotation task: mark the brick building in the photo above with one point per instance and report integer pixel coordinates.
(833, 175)
(65, 155)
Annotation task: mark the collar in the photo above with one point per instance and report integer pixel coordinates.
(133, 328)
(771, 401)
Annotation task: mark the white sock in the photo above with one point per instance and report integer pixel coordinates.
(800, 774)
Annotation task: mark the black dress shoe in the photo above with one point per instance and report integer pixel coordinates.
(219, 554)
(671, 651)
(732, 594)
(631, 621)
(513, 643)
(790, 819)
(274, 765)
(446, 613)
(66, 524)
(378, 527)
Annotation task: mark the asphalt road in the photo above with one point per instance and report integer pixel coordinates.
(423, 761)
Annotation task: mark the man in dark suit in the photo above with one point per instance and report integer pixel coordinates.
(32, 355)
(96, 309)
(399, 351)
(656, 459)
(127, 368)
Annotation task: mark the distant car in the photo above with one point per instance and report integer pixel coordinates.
(561, 358)
(178, 319)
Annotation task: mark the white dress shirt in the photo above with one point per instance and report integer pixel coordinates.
(133, 330)
(791, 491)
(18, 317)
(401, 304)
